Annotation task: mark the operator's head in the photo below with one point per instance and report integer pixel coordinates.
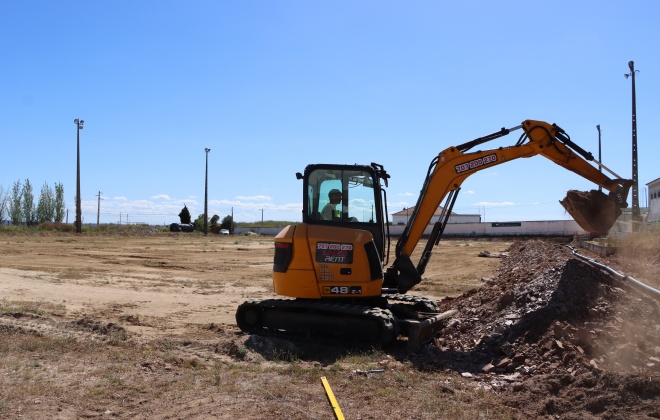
(335, 196)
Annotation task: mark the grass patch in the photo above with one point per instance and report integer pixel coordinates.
(32, 268)
(639, 256)
(642, 246)
(31, 307)
(85, 375)
(71, 274)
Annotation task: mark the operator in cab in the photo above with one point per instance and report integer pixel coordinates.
(330, 211)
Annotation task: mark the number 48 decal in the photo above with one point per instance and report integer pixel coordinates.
(342, 290)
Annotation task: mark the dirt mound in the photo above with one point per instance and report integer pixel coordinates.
(109, 329)
(594, 211)
(594, 394)
(546, 325)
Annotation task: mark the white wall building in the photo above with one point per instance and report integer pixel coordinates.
(654, 201)
(401, 217)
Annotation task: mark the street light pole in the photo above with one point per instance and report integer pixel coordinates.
(635, 194)
(206, 193)
(79, 123)
(98, 212)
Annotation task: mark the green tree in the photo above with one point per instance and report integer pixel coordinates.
(15, 204)
(199, 223)
(4, 203)
(214, 220)
(184, 216)
(46, 205)
(60, 211)
(29, 210)
(228, 223)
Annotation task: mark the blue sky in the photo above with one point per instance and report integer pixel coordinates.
(271, 86)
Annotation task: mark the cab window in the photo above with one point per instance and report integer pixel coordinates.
(340, 196)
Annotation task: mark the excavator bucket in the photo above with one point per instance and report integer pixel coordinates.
(422, 331)
(594, 210)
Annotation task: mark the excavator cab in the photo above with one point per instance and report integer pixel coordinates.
(338, 250)
(346, 196)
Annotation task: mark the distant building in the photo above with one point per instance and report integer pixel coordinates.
(401, 217)
(654, 201)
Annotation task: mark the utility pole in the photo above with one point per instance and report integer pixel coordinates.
(206, 193)
(79, 123)
(600, 168)
(262, 217)
(98, 212)
(635, 193)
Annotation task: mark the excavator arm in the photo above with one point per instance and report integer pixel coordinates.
(454, 164)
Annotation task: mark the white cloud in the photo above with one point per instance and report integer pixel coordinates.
(254, 198)
(120, 198)
(406, 194)
(489, 204)
(394, 206)
(469, 192)
(161, 197)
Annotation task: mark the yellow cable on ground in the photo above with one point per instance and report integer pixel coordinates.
(332, 399)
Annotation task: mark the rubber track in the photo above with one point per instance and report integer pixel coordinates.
(384, 318)
(413, 299)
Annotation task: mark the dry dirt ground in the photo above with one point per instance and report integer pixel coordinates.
(143, 326)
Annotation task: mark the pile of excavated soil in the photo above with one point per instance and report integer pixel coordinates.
(557, 336)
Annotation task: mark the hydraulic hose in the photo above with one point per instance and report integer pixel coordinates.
(635, 283)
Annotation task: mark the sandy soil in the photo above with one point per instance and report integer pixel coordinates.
(176, 294)
(162, 284)
(166, 283)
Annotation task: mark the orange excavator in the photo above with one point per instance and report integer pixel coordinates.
(334, 266)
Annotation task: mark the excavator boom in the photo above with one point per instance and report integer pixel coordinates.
(592, 211)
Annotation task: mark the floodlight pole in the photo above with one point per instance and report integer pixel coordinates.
(635, 188)
(79, 123)
(206, 193)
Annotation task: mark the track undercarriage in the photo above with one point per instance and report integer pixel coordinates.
(380, 320)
